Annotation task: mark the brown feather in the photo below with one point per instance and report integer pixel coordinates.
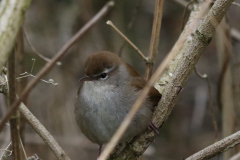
(99, 61)
(139, 83)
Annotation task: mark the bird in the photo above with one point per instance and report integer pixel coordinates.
(106, 94)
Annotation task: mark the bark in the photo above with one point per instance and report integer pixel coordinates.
(12, 13)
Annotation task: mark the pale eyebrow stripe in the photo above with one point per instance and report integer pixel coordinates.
(105, 71)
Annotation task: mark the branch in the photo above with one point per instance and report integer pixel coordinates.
(57, 57)
(43, 133)
(217, 148)
(34, 50)
(20, 55)
(15, 118)
(11, 16)
(225, 90)
(121, 34)
(39, 128)
(194, 39)
(155, 38)
(235, 157)
(130, 24)
(235, 34)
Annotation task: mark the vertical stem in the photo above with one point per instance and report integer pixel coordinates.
(14, 121)
(225, 83)
(155, 38)
(21, 83)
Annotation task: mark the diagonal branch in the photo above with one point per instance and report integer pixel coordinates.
(43, 133)
(39, 128)
(58, 56)
(217, 148)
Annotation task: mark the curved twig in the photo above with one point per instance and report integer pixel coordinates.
(34, 49)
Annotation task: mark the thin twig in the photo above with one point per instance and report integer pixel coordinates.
(35, 50)
(237, 4)
(57, 57)
(203, 76)
(26, 74)
(24, 152)
(217, 148)
(43, 133)
(41, 130)
(130, 24)
(157, 21)
(235, 157)
(119, 32)
(33, 64)
(185, 11)
(210, 103)
(10, 152)
(235, 34)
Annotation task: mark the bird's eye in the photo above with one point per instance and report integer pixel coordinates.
(103, 75)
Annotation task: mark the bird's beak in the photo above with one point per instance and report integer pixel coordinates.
(86, 78)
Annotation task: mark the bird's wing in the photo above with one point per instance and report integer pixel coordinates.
(139, 83)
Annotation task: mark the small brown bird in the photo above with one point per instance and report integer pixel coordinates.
(106, 95)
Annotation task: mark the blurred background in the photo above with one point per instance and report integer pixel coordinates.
(189, 128)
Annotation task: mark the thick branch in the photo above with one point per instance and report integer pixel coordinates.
(11, 16)
(235, 34)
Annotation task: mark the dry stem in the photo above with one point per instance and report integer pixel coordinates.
(34, 49)
(15, 118)
(136, 48)
(216, 148)
(21, 84)
(225, 91)
(40, 129)
(130, 24)
(43, 133)
(155, 38)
